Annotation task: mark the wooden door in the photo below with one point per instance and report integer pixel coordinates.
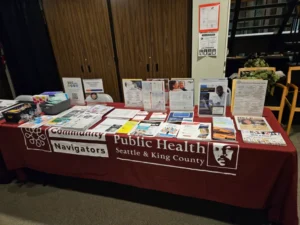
(132, 36)
(66, 36)
(99, 55)
(171, 37)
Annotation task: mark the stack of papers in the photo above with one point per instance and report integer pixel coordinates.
(223, 129)
(178, 117)
(100, 109)
(158, 117)
(82, 121)
(168, 130)
(261, 137)
(146, 128)
(123, 113)
(140, 116)
(110, 125)
(252, 123)
(195, 131)
(127, 127)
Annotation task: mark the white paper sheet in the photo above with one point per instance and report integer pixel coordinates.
(123, 113)
(209, 17)
(154, 95)
(181, 94)
(133, 95)
(93, 85)
(249, 97)
(208, 44)
(73, 87)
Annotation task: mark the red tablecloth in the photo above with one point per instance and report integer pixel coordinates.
(257, 176)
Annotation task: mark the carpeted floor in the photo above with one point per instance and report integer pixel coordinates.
(69, 201)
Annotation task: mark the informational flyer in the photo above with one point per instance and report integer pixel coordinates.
(133, 94)
(166, 81)
(212, 97)
(154, 95)
(181, 94)
(209, 16)
(248, 97)
(252, 123)
(73, 87)
(93, 86)
(208, 44)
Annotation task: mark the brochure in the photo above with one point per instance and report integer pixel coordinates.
(168, 130)
(133, 94)
(123, 113)
(154, 95)
(223, 129)
(127, 127)
(146, 128)
(252, 123)
(261, 137)
(181, 94)
(110, 125)
(158, 116)
(100, 109)
(178, 117)
(212, 97)
(195, 131)
(73, 87)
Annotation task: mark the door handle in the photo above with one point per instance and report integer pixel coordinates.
(156, 66)
(148, 67)
(90, 70)
(82, 70)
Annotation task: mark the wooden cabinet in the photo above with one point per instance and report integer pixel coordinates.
(153, 37)
(81, 39)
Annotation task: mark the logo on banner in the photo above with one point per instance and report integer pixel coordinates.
(36, 139)
(223, 156)
(80, 148)
(78, 135)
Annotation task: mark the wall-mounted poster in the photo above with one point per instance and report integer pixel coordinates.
(133, 94)
(209, 17)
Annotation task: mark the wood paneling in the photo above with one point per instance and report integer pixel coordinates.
(81, 39)
(170, 21)
(132, 35)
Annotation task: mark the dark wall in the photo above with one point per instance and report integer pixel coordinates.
(27, 47)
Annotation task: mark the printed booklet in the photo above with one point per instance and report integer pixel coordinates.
(223, 129)
(168, 130)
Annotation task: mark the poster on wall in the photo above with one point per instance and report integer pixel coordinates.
(209, 17)
(133, 94)
(208, 44)
(73, 87)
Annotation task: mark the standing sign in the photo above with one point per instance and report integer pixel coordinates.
(73, 87)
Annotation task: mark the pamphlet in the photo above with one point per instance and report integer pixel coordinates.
(93, 86)
(158, 116)
(100, 109)
(154, 95)
(178, 117)
(223, 129)
(212, 97)
(181, 94)
(146, 128)
(166, 82)
(168, 130)
(195, 131)
(133, 94)
(262, 137)
(73, 87)
(248, 97)
(110, 125)
(252, 123)
(127, 127)
(123, 113)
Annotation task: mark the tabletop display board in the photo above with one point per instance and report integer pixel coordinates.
(73, 87)
(133, 95)
(181, 94)
(92, 86)
(154, 95)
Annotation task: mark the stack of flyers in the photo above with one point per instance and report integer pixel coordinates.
(252, 123)
(178, 117)
(158, 116)
(127, 127)
(140, 116)
(195, 131)
(261, 137)
(168, 130)
(223, 129)
(146, 128)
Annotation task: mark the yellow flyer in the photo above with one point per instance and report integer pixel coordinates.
(127, 127)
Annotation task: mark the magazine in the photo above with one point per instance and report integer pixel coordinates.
(168, 130)
(146, 128)
(252, 123)
(178, 117)
(195, 131)
(262, 137)
(110, 125)
(212, 97)
(223, 129)
(127, 127)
